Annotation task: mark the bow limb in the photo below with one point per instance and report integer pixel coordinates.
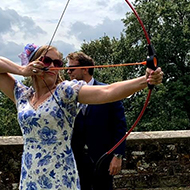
(152, 64)
(152, 60)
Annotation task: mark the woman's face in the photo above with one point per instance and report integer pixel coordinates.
(51, 75)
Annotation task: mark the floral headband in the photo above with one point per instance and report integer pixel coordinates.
(29, 51)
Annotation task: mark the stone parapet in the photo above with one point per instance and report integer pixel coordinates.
(159, 159)
(18, 140)
(11, 140)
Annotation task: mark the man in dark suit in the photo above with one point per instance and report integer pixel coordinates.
(97, 128)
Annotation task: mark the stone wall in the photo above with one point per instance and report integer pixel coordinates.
(156, 160)
(153, 160)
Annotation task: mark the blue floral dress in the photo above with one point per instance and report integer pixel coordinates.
(47, 160)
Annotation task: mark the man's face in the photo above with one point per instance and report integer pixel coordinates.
(75, 73)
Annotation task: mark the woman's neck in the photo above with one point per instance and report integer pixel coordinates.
(41, 88)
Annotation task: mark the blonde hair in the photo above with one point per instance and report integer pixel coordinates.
(42, 51)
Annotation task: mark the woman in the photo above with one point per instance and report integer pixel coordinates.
(46, 112)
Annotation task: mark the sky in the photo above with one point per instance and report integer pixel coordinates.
(34, 21)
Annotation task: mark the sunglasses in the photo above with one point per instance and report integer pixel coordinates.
(71, 70)
(47, 61)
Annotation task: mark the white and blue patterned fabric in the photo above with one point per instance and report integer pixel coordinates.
(47, 160)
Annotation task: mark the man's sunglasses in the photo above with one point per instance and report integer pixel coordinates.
(71, 70)
(47, 61)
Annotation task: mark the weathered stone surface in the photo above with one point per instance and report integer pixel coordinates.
(11, 140)
(10, 164)
(154, 160)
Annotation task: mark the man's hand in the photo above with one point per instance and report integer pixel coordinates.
(115, 166)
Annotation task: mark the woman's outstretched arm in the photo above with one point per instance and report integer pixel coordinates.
(119, 90)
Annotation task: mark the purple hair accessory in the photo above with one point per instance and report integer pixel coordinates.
(29, 51)
(24, 59)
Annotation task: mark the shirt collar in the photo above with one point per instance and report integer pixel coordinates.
(91, 82)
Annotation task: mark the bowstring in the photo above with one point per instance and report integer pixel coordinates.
(58, 24)
(55, 31)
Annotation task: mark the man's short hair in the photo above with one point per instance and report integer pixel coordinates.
(83, 59)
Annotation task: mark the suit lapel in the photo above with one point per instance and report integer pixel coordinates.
(90, 106)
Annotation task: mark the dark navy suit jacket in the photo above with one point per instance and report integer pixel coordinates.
(99, 129)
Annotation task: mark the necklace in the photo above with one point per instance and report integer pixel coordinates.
(40, 99)
(37, 100)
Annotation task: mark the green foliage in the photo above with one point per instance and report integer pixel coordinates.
(8, 117)
(104, 51)
(168, 23)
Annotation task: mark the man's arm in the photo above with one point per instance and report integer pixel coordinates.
(120, 128)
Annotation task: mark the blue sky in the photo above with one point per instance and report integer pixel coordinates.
(34, 21)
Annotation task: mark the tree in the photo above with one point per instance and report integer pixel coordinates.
(102, 51)
(8, 117)
(168, 23)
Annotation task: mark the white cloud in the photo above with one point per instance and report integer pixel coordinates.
(63, 47)
(87, 32)
(11, 50)
(34, 21)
